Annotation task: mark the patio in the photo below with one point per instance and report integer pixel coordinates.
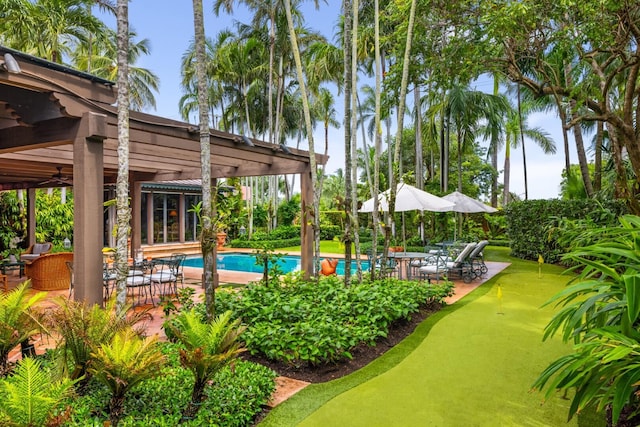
(58, 127)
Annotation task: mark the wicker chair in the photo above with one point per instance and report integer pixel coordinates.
(49, 272)
(35, 250)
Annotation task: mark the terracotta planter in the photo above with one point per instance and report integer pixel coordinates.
(396, 249)
(221, 239)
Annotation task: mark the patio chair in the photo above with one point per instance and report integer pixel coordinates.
(49, 272)
(477, 259)
(433, 267)
(390, 269)
(164, 277)
(36, 250)
(108, 279)
(461, 266)
(138, 283)
(179, 272)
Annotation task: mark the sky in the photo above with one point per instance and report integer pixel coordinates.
(169, 27)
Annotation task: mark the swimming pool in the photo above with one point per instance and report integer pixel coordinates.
(237, 261)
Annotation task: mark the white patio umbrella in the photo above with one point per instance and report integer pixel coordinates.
(466, 204)
(409, 198)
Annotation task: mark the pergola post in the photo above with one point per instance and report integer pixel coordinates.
(306, 230)
(31, 216)
(136, 214)
(88, 193)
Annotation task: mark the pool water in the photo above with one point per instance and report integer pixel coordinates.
(247, 263)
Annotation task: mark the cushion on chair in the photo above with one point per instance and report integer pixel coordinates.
(163, 276)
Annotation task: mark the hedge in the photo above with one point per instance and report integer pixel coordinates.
(533, 226)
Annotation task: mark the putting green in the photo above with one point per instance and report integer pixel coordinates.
(473, 363)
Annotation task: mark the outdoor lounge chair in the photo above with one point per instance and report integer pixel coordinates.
(35, 250)
(477, 259)
(461, 266)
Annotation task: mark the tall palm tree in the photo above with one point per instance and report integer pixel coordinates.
(308, 126)
(514, 128)
(98, 60)
(122, 181)
(49, 29)
(208, 234)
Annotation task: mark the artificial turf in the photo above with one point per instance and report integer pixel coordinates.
(472, 363)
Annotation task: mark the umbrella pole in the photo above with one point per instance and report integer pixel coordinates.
(404, 234)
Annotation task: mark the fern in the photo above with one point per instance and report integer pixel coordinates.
(18, 320)
(31, 394)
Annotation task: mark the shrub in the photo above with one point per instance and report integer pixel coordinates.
(309, 322)
(239, 394)
(533, 226)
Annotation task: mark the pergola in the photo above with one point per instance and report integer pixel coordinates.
(56, 121)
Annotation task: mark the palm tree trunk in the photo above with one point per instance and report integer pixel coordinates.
(597, 178)
(348, 24)
(401, 104)
(122, 182)
(116, 405)
(309, 128)
(208, 237)
(197, 397)
(524, 153)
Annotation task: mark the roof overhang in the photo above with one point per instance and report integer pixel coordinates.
(40, 112)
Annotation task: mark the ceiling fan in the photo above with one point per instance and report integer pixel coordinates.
(57, 179)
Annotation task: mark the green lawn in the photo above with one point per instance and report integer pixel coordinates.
(472, 363)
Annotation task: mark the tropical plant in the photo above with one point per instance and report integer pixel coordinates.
(123, 363)
(18, 319)
(209, 346)
(82, 329)
(600, 312)
(31, 394)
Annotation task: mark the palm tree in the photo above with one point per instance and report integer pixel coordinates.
(208, 234)
(513, 129)
(308, 125)
(49, 29)
(122, 181)
(99, 61)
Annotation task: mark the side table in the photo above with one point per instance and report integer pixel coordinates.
(8, 265)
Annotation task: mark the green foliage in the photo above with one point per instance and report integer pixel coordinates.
(31, 394)
(209, 346)
(18, 319)
(533, 226)
(288, 211)
(281, 237)
(124, 362)
(269, 260)
(54, 220)
(321, 321)
(240, 392)
(83, 329)
(600, 312)
(12, 222)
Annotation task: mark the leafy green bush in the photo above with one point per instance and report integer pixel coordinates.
(309, 322)
(533, 226)
(241, 391)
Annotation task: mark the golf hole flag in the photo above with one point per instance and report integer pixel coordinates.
(540, 262)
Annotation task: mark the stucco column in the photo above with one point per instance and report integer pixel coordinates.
(306, 231)
(88, 188)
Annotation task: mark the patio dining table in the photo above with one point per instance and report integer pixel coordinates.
(405, 260)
